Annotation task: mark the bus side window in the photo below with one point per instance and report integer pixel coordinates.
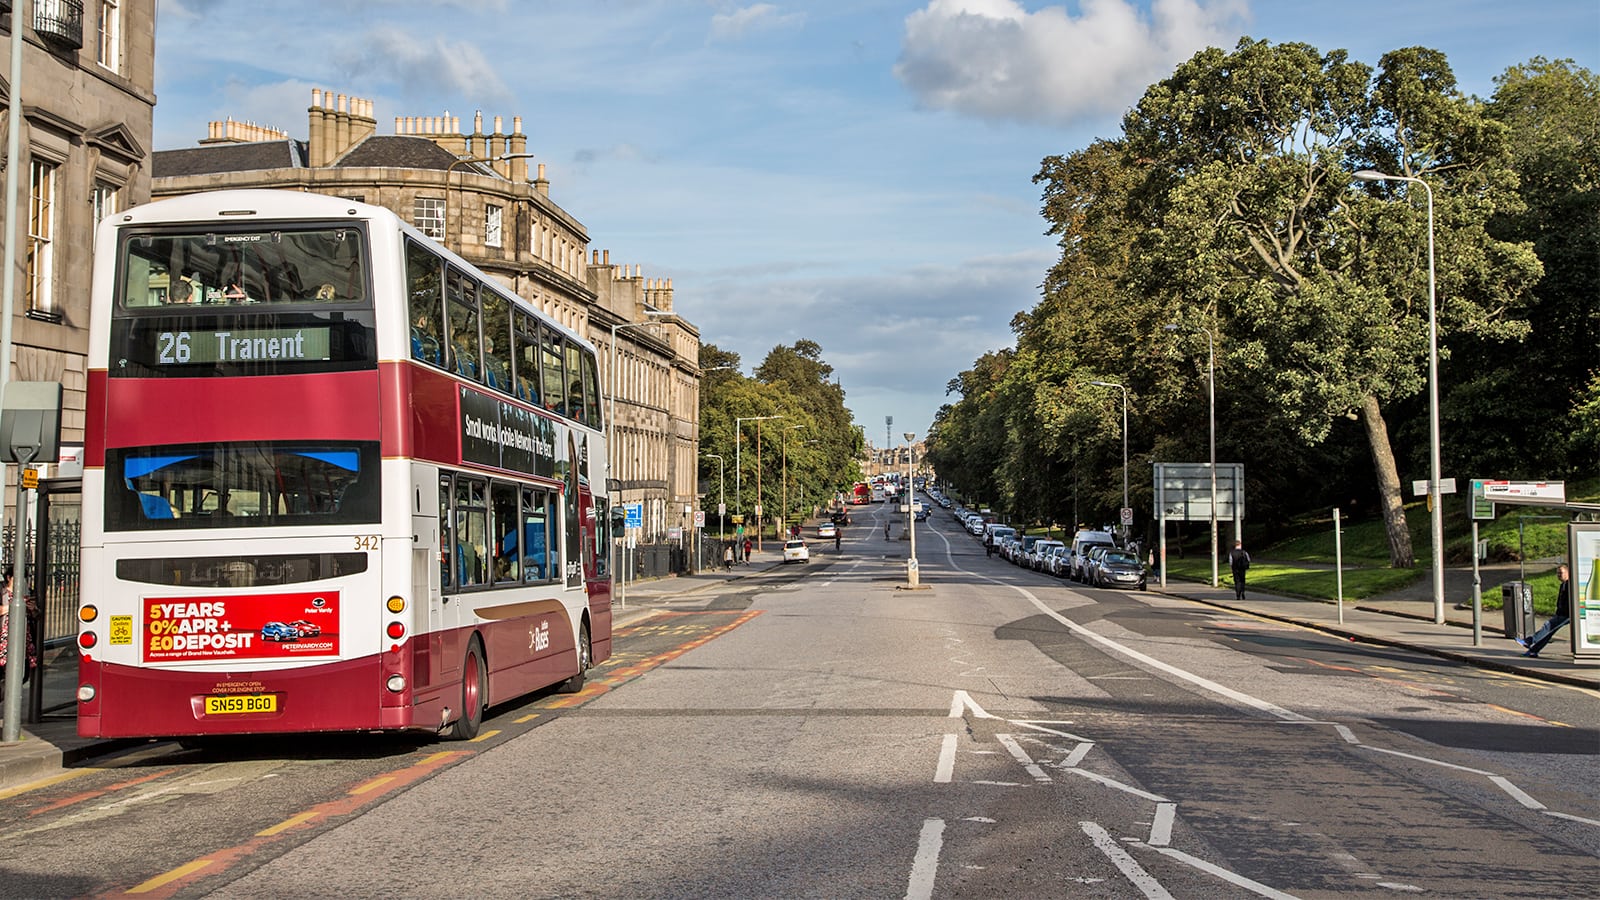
(446, 545)
(535, 535)
(496, 341)
(591, 391)
(555, 380)
(464, 338)
(426, 314)
(503, 525)
(472, 543)
(525, 353)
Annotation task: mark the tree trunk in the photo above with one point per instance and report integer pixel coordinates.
(1394, 511)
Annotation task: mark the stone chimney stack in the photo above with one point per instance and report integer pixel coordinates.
(230, 132)
(519, 144)
(497, 145)
(337, 123)
(477, 145)
(540, 184)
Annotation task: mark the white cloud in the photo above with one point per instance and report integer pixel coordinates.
(746, 20)
(424, 67)
(995, 60)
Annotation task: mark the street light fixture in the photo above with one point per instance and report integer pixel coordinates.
(783, 514)
(722, 499)
(1124, 390)
(911, 516)
(1211, 402)
(738, 464)
(1433, 399)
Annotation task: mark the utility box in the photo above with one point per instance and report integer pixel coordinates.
(1516, 601)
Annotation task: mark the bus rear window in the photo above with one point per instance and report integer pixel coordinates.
(316, 264)
(241, 485)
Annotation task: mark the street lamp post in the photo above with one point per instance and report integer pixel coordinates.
(911, 516)
(783, 513)
(1433, 400)
(722, 500)
(738, 462)
(613, 452)
(1124, 390)
(1211, 405)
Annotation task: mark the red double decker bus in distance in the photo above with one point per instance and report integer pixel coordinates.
(347, 480)
(861, 495)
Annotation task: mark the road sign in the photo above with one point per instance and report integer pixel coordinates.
(700, 519)
(1127, 515)
(1446, 486)
(1482, 507)
(635, 515)
(30, 478)
(1526, 493)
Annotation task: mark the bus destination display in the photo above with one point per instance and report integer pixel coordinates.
(178, 348)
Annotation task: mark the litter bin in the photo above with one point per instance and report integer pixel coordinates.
(1516, 601)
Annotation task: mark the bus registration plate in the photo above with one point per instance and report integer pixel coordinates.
(241, 703)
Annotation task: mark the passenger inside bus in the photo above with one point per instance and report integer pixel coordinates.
(495, 373)
(425, 340)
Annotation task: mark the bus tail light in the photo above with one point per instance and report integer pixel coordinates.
(396, 683)
(88, 613)
(85, 693)
(397, 630)
(396, 604)
(87, 639)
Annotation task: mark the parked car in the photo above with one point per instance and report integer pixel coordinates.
(1055, 561)
(1082, 543)
(1041, 551)
(1091, 574)
(796, 551)
(1023, 549)
(827, 530)
(1119, 568)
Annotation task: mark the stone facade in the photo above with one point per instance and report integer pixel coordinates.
(87, 95)
(472, 193)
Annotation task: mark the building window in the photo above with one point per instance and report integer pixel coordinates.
(41, 236)
(429, 217)
(106, 200)
(493, 217)
(111, 34)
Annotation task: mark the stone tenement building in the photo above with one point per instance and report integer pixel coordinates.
(87, 93)
(471, 192)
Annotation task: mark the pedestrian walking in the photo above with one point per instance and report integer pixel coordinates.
(886, 531)
(1563, 616)
(727, 558)
(1239, 562)
(747, 545)
(25, 632)
(836, 539)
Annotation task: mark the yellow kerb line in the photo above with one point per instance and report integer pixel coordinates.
(287, 824)
(527, 718)
(484, 737)
(8, 793)
(374, 783)
(174, 875)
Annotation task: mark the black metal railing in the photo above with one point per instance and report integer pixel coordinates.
(59, 22)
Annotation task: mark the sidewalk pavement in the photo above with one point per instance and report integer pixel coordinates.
(1399, 621)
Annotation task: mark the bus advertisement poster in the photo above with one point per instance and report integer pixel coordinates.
(261, 626)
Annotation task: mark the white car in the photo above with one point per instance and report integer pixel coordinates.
(796, 551)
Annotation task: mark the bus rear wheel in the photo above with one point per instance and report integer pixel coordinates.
(585, 658)
(474, 694)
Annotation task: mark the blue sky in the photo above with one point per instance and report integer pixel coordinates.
(857, 173)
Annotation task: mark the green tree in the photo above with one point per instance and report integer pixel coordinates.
(1317, 291)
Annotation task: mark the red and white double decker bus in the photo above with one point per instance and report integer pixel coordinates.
(861, 494)
(347, 480)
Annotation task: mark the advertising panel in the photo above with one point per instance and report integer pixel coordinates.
(1583, 549)
(258, 626)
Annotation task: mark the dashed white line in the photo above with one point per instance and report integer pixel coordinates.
(1161, 828)
(926, 865)
(947, 761)
(1255, 887)
(1021, 756)
(1130, 869)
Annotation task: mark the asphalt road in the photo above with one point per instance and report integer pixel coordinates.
(817, 731)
